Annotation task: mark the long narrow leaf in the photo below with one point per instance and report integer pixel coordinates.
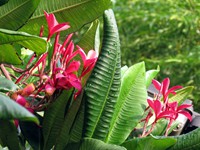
(54, 118)
(130, 104)
(189, 141)
(69, 120)
(102, 88)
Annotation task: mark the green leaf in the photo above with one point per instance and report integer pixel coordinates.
(130, 106)
(7, 85)
(64, 134)
(77, 13)
(9, 55)
(189, 141)
(8, 135)
(3, 2)
(90, 39)
(149, 143)
(181, 95)
(93, 144)
(34, 43)
(76, 132)
(32, 133)
(54, 118)
(103, 86)
(15, 13)
(151, 75)
(11, 110)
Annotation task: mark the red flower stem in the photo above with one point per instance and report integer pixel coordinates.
(30, 60)
(53, 57)
(5, 72)
(152, 127)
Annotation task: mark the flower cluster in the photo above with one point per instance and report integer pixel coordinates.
(160, 106)
(56, 70)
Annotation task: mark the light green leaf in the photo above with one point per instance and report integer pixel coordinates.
(34, 43)
(76, 12)
(149, 143)
(181, 95)
(130, 106)
(16, 12)
(10, 110)
(151, 75)
(7, 85)
(103, 86)
(9, 55)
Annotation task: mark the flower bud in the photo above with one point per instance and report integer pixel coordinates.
(29, 89)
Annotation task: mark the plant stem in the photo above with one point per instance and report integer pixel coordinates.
(5, 72)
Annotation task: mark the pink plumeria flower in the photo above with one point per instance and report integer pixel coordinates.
(176, 110)
(53, 25)
(173, 106)
(163, 88)
(157, 107)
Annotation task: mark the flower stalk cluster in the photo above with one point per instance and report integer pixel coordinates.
(161, 108)
(55, 71)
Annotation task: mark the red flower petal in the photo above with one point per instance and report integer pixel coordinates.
(156, 84)
(187, 114)
(165, 85)
(183, 106)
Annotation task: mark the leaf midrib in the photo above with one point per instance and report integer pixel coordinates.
(6, 14)
(62, 9)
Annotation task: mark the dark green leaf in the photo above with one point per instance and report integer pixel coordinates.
(93, 144)
(54, 118)
(189, 141)
(16, 12)
(7, 85)
(11, 110)
(149, 143)
(3, 2)
(32, 133)
(103, 86)
(77, 13)
(88, 41)
(68, 123)
(9, 55)
(76, 132)
(8, 135)
(34, 43)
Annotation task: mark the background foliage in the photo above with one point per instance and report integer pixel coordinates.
(164, 33)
